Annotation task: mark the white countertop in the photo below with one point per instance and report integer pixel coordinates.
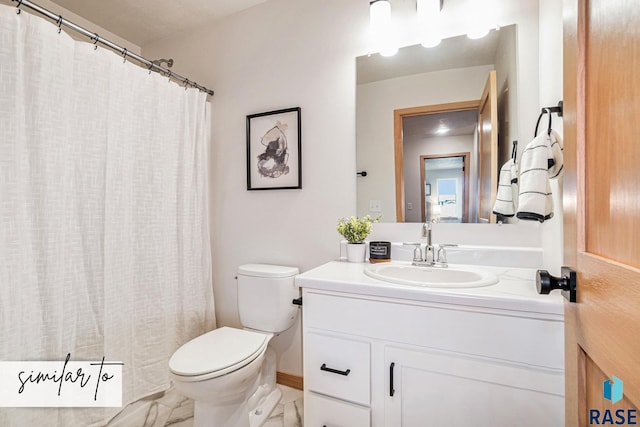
(515, 290)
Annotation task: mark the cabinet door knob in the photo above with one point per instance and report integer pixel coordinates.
(334, 371)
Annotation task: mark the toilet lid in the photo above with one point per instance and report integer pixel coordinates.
(221, 350)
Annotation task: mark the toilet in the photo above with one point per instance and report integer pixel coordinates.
(230, 373)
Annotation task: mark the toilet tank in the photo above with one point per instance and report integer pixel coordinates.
(265, 293)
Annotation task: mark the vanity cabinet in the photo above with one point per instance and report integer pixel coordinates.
(380, 361)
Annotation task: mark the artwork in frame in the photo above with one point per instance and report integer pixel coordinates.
(274, 158)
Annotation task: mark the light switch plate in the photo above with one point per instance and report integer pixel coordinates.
(375, 206)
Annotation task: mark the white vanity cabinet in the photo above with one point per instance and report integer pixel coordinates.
(381, 361)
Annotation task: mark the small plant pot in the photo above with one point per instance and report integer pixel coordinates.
(356, 252)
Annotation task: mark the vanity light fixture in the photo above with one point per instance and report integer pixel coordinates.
(380, 26)
(478, 32)
(480, 16)
(429, 22)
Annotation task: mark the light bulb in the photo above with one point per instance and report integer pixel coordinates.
(382, 36)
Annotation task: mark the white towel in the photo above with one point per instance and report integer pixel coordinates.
(541, 159)
(507, 196)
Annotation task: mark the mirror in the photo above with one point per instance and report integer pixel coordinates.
(426, 104)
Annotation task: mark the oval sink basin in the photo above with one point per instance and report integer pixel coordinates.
(432, 277)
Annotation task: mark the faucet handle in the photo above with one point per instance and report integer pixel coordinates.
(442, 254)
(417, 252)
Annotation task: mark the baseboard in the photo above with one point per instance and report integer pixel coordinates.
(290, 380)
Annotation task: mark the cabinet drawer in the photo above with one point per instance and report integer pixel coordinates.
(321, 411)
(337, 367)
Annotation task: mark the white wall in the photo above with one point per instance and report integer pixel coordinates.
(287, 53)
(283, 53)
(375, 104)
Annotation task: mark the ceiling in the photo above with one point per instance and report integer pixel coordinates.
(418, 128)
(144, 21)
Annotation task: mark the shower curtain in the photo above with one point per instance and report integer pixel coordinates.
(104, 243)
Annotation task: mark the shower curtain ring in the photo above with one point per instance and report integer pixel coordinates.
(59, 22)
(18, 7)
(170, 76)
(150, 67)
(186, 84)
(95, 41)
(124, 56)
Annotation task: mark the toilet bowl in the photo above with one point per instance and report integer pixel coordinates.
(230, 373)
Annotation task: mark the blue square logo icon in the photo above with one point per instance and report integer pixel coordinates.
(612, 389)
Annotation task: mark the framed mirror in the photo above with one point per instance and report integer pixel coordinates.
(436, 102)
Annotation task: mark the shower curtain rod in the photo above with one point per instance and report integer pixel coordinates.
(97, 39)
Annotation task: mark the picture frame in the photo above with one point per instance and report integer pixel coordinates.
(427, 189)
(274, 150)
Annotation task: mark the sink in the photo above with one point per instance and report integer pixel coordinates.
(432, 277)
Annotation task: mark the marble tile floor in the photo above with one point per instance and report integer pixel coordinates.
(170, 409)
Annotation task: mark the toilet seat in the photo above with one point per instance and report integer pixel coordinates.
(217, 353)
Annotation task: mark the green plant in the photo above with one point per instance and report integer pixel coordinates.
(354, 229)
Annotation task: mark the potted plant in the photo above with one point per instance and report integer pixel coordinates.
(355, 230)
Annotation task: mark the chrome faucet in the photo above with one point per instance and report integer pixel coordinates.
(429, 258)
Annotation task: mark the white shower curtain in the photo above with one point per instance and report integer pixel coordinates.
(104, 243)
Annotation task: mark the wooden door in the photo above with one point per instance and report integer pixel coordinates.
(602, 206)
(488, 149)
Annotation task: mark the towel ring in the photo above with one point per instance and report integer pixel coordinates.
(549, 126)
(550, 122)
(535, 133)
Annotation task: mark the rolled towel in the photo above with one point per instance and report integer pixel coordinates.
(507, 196)
(535, 201)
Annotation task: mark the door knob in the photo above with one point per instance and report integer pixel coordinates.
(567, 283)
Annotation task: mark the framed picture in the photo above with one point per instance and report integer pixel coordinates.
(274, 160)
(427, 189)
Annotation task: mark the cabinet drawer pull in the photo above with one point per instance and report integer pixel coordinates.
(391, 390)
(334, 371)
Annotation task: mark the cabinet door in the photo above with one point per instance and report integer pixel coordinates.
(433, 388)
(322, 411)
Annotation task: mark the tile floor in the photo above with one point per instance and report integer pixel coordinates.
(174, 410)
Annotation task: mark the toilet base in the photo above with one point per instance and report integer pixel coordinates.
(259, 415)
(244, 412)
(238, 415)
